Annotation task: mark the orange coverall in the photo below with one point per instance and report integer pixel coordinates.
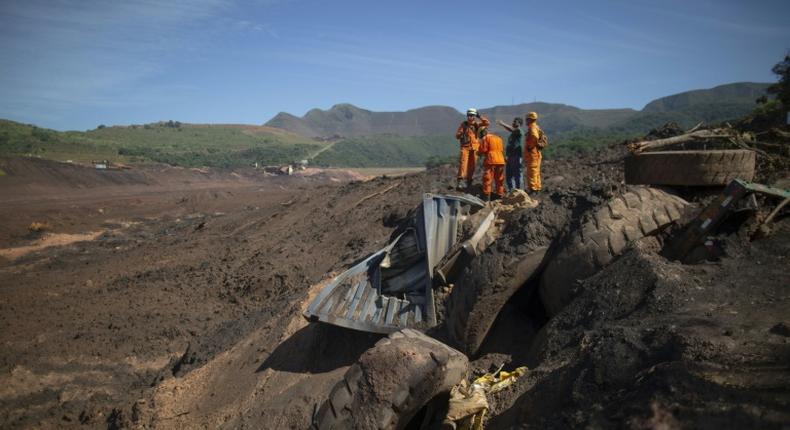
(494, 164)
(467, 136)
(532, 156)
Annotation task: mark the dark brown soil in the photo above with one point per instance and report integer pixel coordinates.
(186, 311)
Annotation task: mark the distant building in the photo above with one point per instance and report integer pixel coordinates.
(286, 169)
(101, 165)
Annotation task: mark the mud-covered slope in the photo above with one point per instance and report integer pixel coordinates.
(195, 321)
(90, 328)
(655, 343)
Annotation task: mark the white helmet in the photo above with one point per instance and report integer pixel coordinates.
(471, 111)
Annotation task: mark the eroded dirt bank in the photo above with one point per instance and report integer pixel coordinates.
(190, 318)
(90, 328)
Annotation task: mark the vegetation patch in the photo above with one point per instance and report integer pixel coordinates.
(387, 151)
(169, 142)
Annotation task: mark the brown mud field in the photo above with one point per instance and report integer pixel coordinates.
(172, 298)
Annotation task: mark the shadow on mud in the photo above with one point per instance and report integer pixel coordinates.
(319, 348)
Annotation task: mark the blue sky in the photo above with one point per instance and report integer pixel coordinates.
(72, 65)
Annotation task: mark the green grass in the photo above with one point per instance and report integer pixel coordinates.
(386, 151)
(569, 143)
(171, 143)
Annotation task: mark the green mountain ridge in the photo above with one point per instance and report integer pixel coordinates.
(373, 139)
(350, 121)
(346, 120)
(737, 93)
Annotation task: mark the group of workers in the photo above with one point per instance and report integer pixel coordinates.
(501, 165)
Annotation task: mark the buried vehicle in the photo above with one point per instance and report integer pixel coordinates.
(422, 279)
(441, 275)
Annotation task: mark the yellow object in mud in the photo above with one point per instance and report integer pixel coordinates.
(494, 384)
(468, 405)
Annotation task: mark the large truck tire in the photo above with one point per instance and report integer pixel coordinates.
(715, 167)
(583, 252)
(476, 300)
(392, 382)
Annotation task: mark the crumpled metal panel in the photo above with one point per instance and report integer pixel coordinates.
(440, 213)
(354, 299)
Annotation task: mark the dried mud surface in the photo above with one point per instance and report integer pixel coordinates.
(186, 311)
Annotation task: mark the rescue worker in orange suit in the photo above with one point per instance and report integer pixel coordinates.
(532, 154)
(492, 148)
(467, 136)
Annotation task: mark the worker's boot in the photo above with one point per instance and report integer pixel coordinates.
(497, 196)
(486, 198)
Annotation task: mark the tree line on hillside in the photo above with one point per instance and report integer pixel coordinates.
(776, 108)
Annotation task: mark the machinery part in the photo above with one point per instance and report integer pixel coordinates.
(710, 217)
(583, 252)
(715, 167)
(778, 208)
(392, 382)
(462, 253)
(475, 302)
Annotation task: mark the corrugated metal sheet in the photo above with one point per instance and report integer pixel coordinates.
(441, 213)
(393, 288)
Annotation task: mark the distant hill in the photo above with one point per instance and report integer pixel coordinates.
(366, 138)
(560, 117)
(348, 121)
(346, 135)
(189, 145)
(740, 93)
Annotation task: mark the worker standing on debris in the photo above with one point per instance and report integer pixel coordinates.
(532, 153)
(467, 136)
(492, 149)
(513, 153)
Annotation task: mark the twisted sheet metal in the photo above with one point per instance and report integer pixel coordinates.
(354, 299)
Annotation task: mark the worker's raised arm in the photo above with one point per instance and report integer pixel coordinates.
(502, 123)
